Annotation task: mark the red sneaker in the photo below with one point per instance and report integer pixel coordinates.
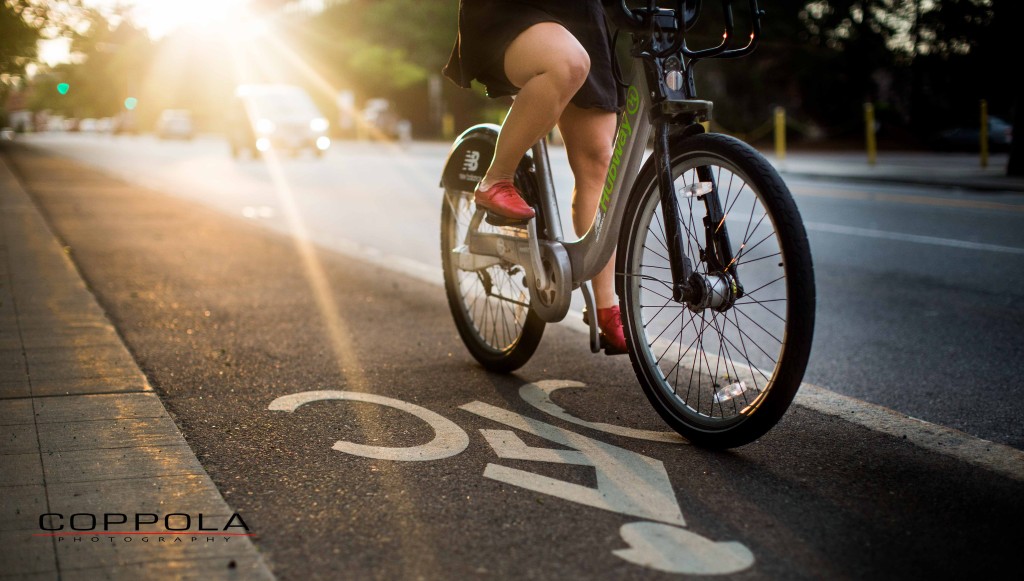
(610, 322)
(503, 199)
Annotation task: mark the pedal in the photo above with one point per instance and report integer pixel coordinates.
(503, 222)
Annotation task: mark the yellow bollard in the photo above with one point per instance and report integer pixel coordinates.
(984, 133)
(869, 133)
(780, 133)
(448, 126)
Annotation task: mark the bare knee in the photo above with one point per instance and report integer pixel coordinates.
(572, 69)
(548, 50)
(567, 72)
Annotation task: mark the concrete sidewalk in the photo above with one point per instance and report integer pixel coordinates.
(943, 170)
(82, 433)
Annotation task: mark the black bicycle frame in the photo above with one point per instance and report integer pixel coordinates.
(662, 49)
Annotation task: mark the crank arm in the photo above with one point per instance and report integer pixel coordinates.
(511, 249)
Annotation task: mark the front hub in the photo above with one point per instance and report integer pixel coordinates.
(712, 291)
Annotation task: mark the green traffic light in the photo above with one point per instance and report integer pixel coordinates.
(131, 103)
(63, 88)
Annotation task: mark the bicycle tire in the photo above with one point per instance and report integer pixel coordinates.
(502, 332)
(778, 313)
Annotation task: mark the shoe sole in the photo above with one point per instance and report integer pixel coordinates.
(493, 212)
(499, 220)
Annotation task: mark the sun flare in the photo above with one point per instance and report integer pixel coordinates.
(161, 17)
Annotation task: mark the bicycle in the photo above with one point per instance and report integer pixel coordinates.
(715, 282)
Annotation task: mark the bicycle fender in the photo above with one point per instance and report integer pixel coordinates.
(469, 158)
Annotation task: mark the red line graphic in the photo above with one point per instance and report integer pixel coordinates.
(114, 534)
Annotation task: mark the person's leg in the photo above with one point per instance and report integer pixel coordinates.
(589, 135)
(548, 65)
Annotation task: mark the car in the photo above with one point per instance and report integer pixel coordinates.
(275, 116)
(175, 124)
(1000, 136)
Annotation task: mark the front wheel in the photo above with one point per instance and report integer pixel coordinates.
(720, 375)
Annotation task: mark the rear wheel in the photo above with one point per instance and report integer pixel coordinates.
(720, 375)
(490, 305)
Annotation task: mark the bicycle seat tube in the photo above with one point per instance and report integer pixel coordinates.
(592, 252)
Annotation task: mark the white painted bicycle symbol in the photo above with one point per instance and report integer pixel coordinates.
(628, 483)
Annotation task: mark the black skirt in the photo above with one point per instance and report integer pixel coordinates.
(487, 27)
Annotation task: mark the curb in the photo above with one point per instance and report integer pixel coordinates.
(83, 433)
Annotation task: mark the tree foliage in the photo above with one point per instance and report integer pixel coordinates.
(925, 64)
(110, 63)
(380, 48)
(18, 35)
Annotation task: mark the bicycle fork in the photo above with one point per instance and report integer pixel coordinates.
(682, 269)
(720, 288)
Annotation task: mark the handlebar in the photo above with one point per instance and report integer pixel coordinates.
(685, 14)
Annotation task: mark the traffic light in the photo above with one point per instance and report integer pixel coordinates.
(63, 88)
(131, 103)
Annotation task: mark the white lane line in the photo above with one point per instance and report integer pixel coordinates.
(933, 437)
(955, 444)
(884, 235)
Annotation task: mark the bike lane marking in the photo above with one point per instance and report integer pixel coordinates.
(628, 483)
(539, 396)
(449, 439)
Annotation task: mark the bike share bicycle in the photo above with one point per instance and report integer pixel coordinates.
(715, 278)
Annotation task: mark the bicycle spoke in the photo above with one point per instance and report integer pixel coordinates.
(653, 292)
(758, 303)
(749, 249)
(750, 293)
(753, 260)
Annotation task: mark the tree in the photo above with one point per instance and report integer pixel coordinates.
(924, 63)
(17, 37)
(381, 47)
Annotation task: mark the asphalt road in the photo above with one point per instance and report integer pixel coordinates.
(253, 338)
(919, 289)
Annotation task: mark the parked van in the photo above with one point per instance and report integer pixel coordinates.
(280, 117)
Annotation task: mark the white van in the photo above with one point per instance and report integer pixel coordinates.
(279, 117)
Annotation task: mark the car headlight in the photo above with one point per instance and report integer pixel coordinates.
(319, 125)
(265, 126)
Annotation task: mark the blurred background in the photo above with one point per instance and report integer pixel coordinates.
(374, 66)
